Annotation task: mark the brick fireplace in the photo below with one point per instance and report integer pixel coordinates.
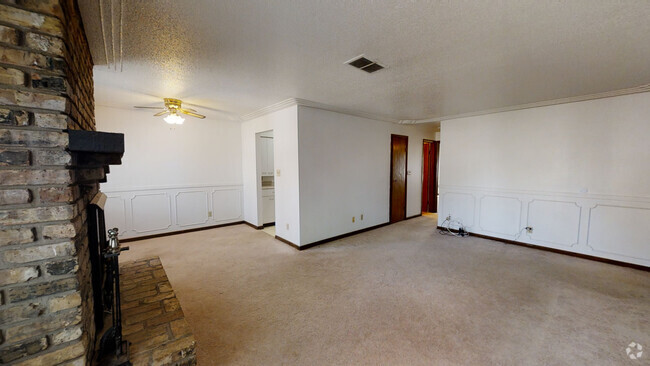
(46, 90)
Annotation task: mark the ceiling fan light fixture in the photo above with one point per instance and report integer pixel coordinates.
(174, 118)
(174, 111)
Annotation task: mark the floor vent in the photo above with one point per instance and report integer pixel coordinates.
(364, 64)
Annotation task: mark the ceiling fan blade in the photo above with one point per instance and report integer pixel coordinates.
(227, 115)
(190, 109)
(161, 113)
(186, 111)
(141, 107)
(204, 107)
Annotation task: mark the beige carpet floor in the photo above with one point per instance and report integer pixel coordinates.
(400, 295)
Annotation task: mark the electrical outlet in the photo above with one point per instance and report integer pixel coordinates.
(448, 217)
(209, 213)
(352, 218)
(361, 218)
(529, 229)
(287, 226)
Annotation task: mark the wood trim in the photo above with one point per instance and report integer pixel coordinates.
(559, 251)
(253, 226)
(295, 246)
(310, 245)
(269, 224)
(127, 240)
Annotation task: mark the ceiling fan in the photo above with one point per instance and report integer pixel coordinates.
(173, 109)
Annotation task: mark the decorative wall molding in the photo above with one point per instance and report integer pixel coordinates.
(205, 211)
(230, 210)
(493, 216)
(308, 103)
(185, 207)
(467, 218)
(545, 103)
(148, 213)
(594, 225)
(605, 233)
(270, 109)
(593, 196)
(549, 234)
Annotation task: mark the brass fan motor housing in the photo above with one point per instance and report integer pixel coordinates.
(172, 103)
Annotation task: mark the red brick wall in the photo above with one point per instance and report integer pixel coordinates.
(46, 88)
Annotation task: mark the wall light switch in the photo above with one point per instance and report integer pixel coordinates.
(287, 226)
(352, 218)
(361, 217)
(209, 213)
(277, 172)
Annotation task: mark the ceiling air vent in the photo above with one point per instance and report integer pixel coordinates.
(364, 64)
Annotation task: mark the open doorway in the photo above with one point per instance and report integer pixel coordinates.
(430, 150)
(266, 180)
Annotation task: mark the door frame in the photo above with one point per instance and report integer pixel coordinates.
(406, 171)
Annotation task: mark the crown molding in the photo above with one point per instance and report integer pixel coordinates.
(308, 103)
(351, 112)
(290, 102)
(615, 93)
(269, 109)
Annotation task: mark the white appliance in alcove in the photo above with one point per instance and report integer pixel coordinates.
(265, 176)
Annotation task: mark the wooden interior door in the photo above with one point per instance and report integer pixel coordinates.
(430, 176)
(398, 169)
(426, 170)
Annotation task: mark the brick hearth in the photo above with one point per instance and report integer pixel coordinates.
(153, 319)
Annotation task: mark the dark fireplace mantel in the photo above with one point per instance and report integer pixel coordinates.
(92, 149)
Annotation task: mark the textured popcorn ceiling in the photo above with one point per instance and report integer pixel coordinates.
(443, 57)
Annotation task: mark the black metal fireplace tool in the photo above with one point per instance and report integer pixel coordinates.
(114, 350)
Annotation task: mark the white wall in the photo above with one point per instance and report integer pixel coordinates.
(172, 178)
(284, 124)
(577, 173)
(345, 171)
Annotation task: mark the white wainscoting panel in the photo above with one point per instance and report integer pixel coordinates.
(500, 215)
(554, 222)
(192, 208)
(620, 230)
(612, 227)
(151, 212)
(227, 204)
(142, 212)
(460, 206)
(115, 208)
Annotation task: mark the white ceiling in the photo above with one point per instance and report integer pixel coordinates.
(444, 58)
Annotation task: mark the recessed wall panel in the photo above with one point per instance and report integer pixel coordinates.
(620, 230)
(191, 208)
(115, 213)
(500, 215)
(460, 206)
(151, 212)
(554, 222)
(226, 204)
